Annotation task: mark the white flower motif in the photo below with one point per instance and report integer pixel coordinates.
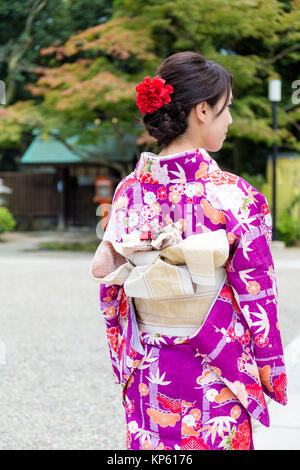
(189, 420)
(211, 394)
(268, 220)
(133, 426)
(160, 173)
(148, 212)
(238, 329)
(225, 196)
(149, 197)
(180, 188)
(190, 190)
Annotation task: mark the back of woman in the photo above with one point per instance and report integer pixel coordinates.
(187, 283)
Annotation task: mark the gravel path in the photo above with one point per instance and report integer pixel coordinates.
(56, 384)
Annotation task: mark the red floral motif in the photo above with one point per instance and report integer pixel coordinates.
(244, 339)
(265, 209)
(124, 308)
(231, 334)
(242, 437)
(261, 341)
(128, 438)
(112, 334)
(241, 364)
(198, 424)
(193, 443)
(112, 291)
(152, 94)
(122, 348)
(162, 192)
(147, 212)
(226, 292)
(219, 177)
(257, 392)
(129, 407)
(280, 387)
(147, 178)
(132, 352)
(179, 188)
(169, 403)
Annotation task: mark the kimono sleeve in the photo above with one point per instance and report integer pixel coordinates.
(252, 276)
(112, 296)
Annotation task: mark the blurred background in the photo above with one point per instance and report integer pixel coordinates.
(70, 69)
(69, 132)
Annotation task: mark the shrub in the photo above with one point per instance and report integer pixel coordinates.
(7, 222)
(288, 229)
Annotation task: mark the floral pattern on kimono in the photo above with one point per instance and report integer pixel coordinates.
(240, 337)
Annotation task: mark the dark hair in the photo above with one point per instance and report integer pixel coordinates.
(194, 79)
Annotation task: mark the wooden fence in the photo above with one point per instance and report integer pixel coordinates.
(33, 194)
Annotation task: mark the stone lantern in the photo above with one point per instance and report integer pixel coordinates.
(3, 191)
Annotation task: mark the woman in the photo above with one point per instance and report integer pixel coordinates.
(188, 289)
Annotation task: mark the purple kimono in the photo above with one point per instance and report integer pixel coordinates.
(199, 391)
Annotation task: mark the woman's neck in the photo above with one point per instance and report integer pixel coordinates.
(182, 147)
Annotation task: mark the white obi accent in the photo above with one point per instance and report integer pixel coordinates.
(173, 281)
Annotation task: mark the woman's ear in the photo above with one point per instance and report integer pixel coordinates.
(201, 111)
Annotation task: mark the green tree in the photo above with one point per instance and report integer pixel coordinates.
(26, 26)
(255, 41)
(90, 79)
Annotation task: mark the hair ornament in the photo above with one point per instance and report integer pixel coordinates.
(152, 94)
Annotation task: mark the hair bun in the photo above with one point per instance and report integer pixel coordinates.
(193, 79)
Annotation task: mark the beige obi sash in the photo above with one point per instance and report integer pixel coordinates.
(159, 272)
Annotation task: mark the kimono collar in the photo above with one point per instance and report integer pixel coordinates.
(177, 168)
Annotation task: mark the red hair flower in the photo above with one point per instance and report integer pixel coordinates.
(152, 94)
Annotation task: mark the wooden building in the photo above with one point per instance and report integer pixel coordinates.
(55, 186)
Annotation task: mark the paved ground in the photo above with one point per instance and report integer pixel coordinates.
(56, 385)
